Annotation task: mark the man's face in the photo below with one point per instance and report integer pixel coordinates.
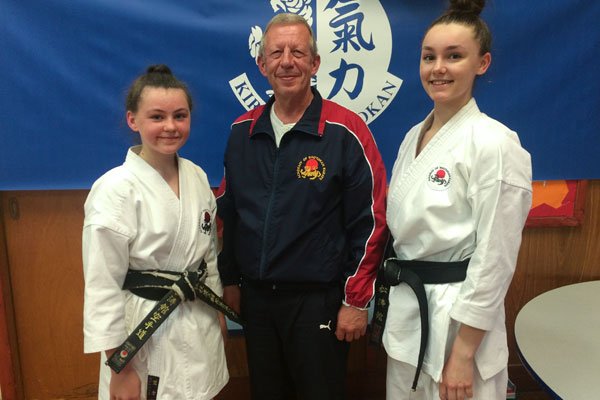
(288, 63)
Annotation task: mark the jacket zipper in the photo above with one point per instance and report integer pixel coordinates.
(263, 255)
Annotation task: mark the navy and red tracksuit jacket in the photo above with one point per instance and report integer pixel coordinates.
(310, 211)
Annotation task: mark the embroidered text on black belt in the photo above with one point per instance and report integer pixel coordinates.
(169, 289)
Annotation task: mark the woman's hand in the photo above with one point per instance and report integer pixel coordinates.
(458, 373)
(457, 378)
(125, 385)
(223, 326)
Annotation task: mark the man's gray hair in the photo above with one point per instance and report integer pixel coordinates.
(289, 19)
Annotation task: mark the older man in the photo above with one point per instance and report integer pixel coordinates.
(302, 204)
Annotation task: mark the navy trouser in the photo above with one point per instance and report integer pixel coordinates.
(291, 345)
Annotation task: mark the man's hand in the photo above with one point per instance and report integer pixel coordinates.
(351, 323)
(232, 297)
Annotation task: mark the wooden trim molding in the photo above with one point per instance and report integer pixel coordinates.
(9, 360)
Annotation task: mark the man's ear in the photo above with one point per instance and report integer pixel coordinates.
(316, 64)
(260, 61)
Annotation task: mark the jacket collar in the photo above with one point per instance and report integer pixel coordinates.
(309, 122)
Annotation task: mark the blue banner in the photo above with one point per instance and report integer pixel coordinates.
(66, 66)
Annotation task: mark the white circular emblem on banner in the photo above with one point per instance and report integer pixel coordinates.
(355, 43)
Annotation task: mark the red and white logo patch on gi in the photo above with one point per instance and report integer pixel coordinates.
(439, 178)
(205, 222)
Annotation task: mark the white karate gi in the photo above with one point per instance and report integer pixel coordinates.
(134, 219)
(466, 195)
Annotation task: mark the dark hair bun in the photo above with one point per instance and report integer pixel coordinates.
(159, 69)
(466, 6)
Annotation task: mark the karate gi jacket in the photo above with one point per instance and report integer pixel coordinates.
(134, 220)
(466, 195)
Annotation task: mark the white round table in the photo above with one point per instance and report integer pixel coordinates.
(558, 340)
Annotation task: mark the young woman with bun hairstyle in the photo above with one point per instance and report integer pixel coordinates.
(458, 199)
(153, 217)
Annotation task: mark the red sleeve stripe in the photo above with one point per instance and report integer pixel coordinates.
(363, 279)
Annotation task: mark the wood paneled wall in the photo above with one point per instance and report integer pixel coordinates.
(41, 283)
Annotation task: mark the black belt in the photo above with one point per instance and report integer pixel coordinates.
(169, 289)
(415, 274)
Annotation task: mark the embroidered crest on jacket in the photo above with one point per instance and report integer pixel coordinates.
(311, 167)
